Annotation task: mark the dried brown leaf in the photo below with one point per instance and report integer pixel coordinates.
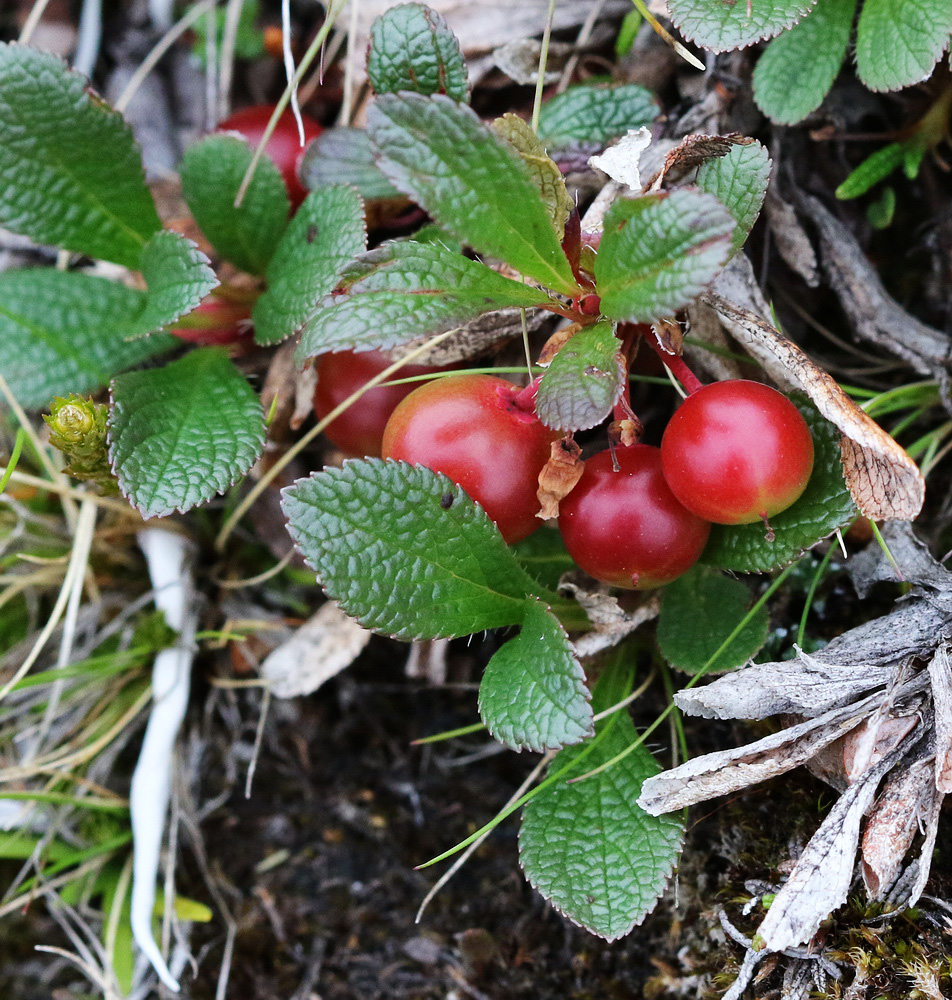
(611, 621)
(691, 152)
(559, 476)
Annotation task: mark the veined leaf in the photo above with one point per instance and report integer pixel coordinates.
(72, 173)
(345, 154)
(898, 42)
(404, 290)
(182, 433)
(473, 183)
(595, 116)
(178, 276)
(721, 26)
(739, 181)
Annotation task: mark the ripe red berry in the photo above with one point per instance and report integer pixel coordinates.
(284, 147)
(215, 321)
(737, 452)
(626, 528)
(359, 429)
(473, 429)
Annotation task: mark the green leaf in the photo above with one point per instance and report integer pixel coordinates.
(326, 234)
(403, 290)
(182, 433)
(824, 506)
(876, 167)
(518, 133)
(591, 851)
(544, 556)
(798, 67)
(470, 181)
(881, 212)
(533, 694)
(739, 181)
(721, 26)
(405, 551)
(584, 381)
(595, 115)
(345, 153)
(412, 48)
(178, 276)
(898, 42)
(72, 173)
(211, 173)
(698, 612)
(64, 331)
(659, 252)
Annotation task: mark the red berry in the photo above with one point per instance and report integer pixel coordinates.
(626, 528)
(359, 429)
(215, 321)
(737, 452)
(473, 429)
(284, 147)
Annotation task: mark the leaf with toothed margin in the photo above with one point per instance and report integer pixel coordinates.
(405, 551)
(180, 434)
(405, 290)
(659, 252)
(533, 694)
(588, 847)
(898, 42)
(721, 26)
(595, 116)
(739, 181)
(474, 184)
(584, 380)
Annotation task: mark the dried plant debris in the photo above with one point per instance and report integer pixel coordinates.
(872, 712)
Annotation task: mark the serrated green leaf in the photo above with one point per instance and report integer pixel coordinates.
(403, 290)
(595, 115)
(326, 234)
(64, 331)
(698, 612)
(591, 851)
(470, 181)
(898, 42)
(824, 506)
(72, 173)
(182, 433)
(405, 551)
(533, 694)
(178, 276)
(412, 48)
(544, 556)
(345, 153)
(659, 252)
(721, 26)
(739, 181)
(518, 133)
(211, 172)
(876, 167)
(799, 66)
(584, 381)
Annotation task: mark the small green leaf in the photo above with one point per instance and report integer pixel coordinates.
(798, 67)
(64, 331)
(659, 252)
(72, 173)
(698, 612)
(403, 290)
(627, 32)
(326, 234)
(178, 276)
(212, 171)
(824, 506)
(584, 381)
(345, 154)
(720, 26)
(405, 551)
(412, 48)
(876, 167)
(518, 133)
(588, 847)
(544, 556)
(881, 212)
(470, 181)
(898, 42)
(533, 694)
(182, 433)
(595, 116)
(739, 181)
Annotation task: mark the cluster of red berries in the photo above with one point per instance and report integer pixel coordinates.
(735, 452)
